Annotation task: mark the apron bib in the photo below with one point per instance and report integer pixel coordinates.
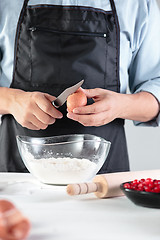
(55, 47)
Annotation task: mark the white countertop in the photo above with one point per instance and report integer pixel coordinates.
(56, 215)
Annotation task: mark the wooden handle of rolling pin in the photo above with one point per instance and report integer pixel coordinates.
(108, 185)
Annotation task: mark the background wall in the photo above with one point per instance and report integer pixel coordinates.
(143, 144)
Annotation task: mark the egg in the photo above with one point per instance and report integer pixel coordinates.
(77, 99)
(13, 225)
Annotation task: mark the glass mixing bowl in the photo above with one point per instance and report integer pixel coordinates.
(63, 159)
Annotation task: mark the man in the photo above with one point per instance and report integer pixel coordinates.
(107, 43)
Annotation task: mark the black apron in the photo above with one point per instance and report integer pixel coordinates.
(55, 47)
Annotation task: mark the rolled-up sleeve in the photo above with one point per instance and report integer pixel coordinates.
(144, 69)
(0, 62)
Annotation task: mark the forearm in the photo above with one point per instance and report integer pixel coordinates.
(142, 107)
(6, 97)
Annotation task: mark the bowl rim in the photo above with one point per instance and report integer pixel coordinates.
(135, 191)
(99, 139)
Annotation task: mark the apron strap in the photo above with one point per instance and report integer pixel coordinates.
(23, 9)
(118, 36)
(114, 11)
(25, 4)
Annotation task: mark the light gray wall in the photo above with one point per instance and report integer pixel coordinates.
(143, 144)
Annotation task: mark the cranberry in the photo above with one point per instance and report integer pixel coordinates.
(150, 185)
(140, 189)
(147, 185)
(156, 189)
(148, 181)
(156, 182)
(142, 180)
(127, 185)
(134, 187)
(135, 182)
(147, 189)
(140, 185)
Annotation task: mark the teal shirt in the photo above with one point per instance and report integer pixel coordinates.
(139, 22)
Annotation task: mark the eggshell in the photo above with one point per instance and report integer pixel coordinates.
(77, 99)
(13, 225)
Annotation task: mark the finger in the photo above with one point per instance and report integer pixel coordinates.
(30, 126)
(98, 119)
(27, 124)
(38, 124)
(48, 108)
(50, 97)
(96, 107)
(42, 116)
(91, 93)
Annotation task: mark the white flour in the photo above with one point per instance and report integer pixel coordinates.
(61, 170)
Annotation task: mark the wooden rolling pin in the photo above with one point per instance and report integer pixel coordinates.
(108, 185)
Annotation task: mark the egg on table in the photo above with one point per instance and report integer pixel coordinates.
(13, 225)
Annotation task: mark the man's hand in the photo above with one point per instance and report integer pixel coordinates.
(109, 105)
(32, 110)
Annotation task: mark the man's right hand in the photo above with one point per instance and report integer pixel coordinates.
(33, 110)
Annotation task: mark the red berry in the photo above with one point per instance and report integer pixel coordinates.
(152, 190)
(142, 180)
(127, 185)
(150, 185)
(147, 189)
(156, 189)
(148, 181)
(140, 185)
(156, 182)
(134, 187)
(135, 182)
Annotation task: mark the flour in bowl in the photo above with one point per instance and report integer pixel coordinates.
(61, 170)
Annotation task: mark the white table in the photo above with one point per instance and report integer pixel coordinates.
(56, 215)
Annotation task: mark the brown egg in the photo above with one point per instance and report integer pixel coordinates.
(5, 206)
(13, 225)
(77, 99)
